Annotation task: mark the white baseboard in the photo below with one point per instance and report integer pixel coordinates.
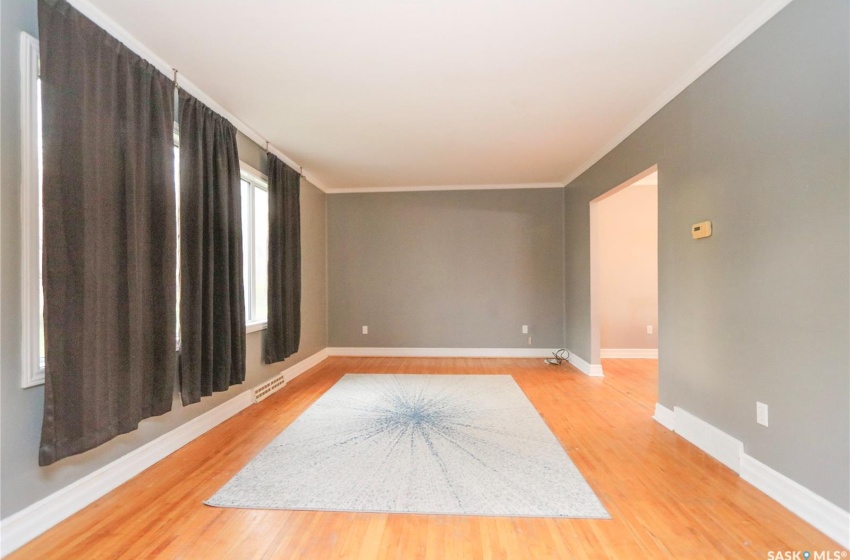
(442, 352)
(665, 417)
(651, 353)
(812, 508)
(579, 364)
(593, 370)
(292, 372)
(23, 526)
(713, 441)
(822, 514)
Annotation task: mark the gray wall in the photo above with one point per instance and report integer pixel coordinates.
(23, 481)
(450, 269)
(759, 311)
(251, 153)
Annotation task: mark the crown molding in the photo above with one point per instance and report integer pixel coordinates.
(446, 188)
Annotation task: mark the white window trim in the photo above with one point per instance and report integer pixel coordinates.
(33, 369)
(252, 174)
(255, 178)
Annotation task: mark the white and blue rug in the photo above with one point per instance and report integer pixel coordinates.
(431, 444)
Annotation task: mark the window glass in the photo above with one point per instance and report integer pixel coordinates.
(32, 218)
(40, 166)
(261, 253)
(255, 247)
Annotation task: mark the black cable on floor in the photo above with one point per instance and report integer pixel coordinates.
(560, 356)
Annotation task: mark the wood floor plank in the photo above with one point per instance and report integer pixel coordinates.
(667, 498)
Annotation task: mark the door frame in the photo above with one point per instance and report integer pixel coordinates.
(595, 289)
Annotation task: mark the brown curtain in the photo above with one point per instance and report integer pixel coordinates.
(283, 334)
(109, 235)
(212, 299)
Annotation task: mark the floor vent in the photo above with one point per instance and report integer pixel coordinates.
(266, 389)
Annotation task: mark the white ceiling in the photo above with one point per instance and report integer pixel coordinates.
(402, 93)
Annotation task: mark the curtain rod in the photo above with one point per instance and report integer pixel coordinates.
(249, 132)
(88, 9)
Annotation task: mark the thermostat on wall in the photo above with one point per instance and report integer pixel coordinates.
(700, 230)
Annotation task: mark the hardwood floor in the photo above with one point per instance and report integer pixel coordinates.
(667, 498)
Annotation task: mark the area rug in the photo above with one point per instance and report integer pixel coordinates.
(429, 444)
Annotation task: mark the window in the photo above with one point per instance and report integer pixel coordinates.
(255, 227)
(255, 247)
(32, 301)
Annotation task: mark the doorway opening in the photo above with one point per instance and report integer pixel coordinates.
(624, 271)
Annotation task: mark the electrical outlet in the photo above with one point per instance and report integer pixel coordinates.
(525, 329)
(365, 329)
(761, 413)
(649, 329)
(529, 341)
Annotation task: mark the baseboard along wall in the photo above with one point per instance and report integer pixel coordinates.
(650, 353)
(23, 526)
(812, 508)
(441, 352)
(593, 370)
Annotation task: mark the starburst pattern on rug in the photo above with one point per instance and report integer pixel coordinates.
(451, 444)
